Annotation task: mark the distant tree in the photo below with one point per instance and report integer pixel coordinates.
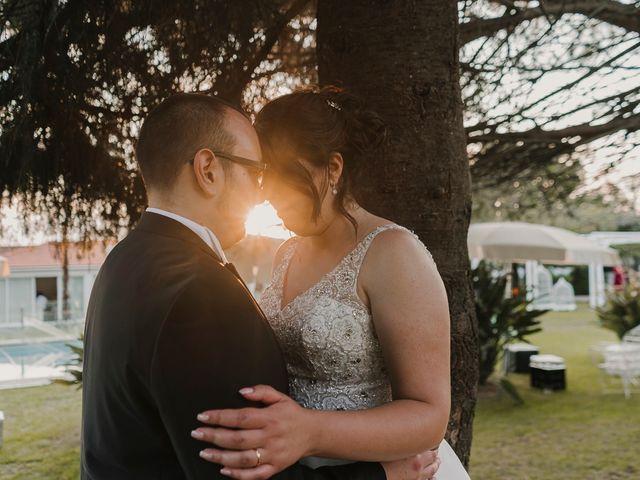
(560, 200)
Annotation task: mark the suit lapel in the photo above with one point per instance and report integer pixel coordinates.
(232, 268)
(161, 225)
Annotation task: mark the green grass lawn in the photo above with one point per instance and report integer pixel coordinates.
(41, 433)
(581, 433)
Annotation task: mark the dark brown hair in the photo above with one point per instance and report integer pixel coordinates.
(311, 124)
(175, 130)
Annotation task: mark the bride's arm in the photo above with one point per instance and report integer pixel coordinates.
(411, 317)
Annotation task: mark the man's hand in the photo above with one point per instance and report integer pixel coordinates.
(257, 443)
(420, 467)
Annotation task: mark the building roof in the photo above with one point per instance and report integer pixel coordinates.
(47, 255)
(252, 252)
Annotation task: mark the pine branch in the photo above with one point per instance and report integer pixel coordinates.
(626, 16)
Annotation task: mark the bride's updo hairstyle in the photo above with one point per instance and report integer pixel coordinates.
(311, 124)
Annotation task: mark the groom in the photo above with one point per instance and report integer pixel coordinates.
(171, 329)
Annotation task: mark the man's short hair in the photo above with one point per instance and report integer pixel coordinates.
(175, 130)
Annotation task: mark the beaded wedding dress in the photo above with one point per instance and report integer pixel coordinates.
(333, 357)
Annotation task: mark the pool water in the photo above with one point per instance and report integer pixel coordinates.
(34, 362)
(50, 353)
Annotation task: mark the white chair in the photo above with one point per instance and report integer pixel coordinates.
(632, 336)
(620, 360)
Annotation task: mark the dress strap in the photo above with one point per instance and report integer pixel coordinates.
(366, 242)
(289, 249)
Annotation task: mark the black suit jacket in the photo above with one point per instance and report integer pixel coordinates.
(171, 332)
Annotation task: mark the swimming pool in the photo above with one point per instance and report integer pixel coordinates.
(57, 353)
(33, 363)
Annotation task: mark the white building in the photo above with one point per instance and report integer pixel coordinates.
(34, 287)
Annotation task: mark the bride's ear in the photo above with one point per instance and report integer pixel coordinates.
(336, 164)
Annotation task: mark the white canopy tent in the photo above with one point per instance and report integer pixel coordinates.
(605, 239)
(531, 244)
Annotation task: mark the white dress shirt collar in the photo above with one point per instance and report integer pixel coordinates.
(203, 232)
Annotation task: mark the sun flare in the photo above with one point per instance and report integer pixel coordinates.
(264, 221)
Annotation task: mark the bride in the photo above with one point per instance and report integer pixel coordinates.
(357, 305)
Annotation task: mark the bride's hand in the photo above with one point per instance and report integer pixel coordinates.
(256, 443)
(419, 467)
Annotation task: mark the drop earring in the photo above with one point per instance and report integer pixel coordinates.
(334, 190)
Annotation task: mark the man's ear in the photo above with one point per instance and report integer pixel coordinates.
(208, 172)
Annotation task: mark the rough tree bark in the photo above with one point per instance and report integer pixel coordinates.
(63, 251)
(402, 57)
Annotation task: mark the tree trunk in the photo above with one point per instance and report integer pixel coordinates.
(64, 251)
(402, 57)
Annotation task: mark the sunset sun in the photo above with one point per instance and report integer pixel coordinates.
(264, 221)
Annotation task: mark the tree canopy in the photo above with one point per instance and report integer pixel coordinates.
(549, 86)
(546, 85)
(78, 78)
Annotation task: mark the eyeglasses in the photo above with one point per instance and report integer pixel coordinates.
(257, 166)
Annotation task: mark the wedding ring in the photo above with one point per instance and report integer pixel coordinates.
(258, 457)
